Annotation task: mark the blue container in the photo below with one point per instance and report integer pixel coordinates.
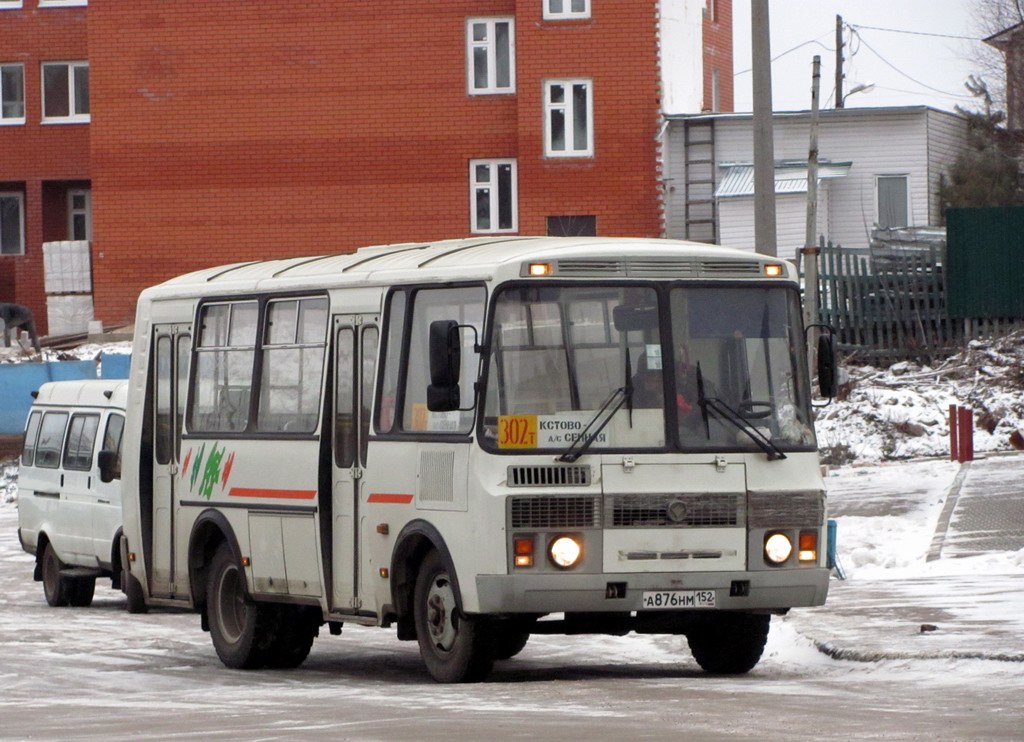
(833, 554)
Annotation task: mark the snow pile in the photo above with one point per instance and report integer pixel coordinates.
(87, 352)
(903, 412)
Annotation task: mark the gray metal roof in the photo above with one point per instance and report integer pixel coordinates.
(790, 177)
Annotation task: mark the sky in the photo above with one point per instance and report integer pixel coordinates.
(907, 66)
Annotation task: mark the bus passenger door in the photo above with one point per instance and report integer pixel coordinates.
(355, 359)
(172, 345)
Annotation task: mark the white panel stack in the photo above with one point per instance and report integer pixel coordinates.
(67, 278)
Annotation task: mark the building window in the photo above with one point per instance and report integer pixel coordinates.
(62, 3)
(566, 9)
(568, 112)
(12, 224)
(12, 94)
(572, 226)
(80, 214)
(491, 55)
(9, 4)
(893, 209)
(493, 196)
(66, 92)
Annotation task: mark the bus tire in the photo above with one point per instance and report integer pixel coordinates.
(730, 643)
(455, 648)
(80, 591)
(238, 624)
(293, 638)
(135, 600)
(55, 587)
(509, 643)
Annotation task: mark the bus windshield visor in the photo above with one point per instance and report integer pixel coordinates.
(559, 353)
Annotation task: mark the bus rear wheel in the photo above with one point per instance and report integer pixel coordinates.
(293, 638)
(729, 643)
(238, 624)
(455, 648)
(81, 591)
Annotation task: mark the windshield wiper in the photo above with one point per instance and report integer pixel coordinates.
(725, 412)
(611, 405)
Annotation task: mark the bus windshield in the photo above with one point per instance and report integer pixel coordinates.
(690, 368)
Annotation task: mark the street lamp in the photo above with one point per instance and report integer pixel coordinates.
(863, 87)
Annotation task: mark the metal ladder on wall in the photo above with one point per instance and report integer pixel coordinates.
(701, 212)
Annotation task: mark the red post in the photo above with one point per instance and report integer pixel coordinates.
(954, 444)
(966, 434)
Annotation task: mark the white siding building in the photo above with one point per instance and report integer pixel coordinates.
(878, 167)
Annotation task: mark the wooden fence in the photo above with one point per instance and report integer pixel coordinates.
(889, 305)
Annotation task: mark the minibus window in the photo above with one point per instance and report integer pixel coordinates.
(81, 439)
(28, 453)
(51, 438)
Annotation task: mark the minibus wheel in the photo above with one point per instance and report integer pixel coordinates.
(238, 624)
(55, 587)
(455, 648)
(80, 591)
(729, 643)
(293, 638)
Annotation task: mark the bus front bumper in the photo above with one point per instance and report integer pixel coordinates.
(775, 590)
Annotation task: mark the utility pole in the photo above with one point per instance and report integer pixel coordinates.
(810, 250)
(764, 143)
(839, 61)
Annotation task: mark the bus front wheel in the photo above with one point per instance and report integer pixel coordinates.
(729, 643)
(237, 622)
(455, 648)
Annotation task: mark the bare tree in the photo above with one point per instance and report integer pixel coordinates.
(990, 17)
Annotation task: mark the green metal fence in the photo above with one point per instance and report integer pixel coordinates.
(890, 305)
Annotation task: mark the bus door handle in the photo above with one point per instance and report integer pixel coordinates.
(172, 468)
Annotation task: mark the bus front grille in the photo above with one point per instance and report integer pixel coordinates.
(785, 509)
(675, 511)
(555, 512)
(547, 475)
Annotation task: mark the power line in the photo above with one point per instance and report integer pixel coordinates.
(914, 33)
(780, 56)
(897, 69)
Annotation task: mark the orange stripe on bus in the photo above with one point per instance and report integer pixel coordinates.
(285, 494)
(396, 499)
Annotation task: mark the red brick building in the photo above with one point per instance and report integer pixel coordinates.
(44, 140)
(225, 131)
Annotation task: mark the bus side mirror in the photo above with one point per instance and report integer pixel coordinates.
(445, 364)
(107, 461)
(828, 366)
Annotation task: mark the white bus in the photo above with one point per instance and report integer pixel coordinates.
(473, 441)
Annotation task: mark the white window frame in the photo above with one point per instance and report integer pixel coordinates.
(63, 3)
(13, 120)
(10, 4)
(492, 185)
(567, 106)
(85, 211)
(489, 44)
(567, 13)
(21, 219)
(72, 117)
(878, 204)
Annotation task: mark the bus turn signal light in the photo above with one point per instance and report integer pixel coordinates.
(523, 551)
(540, 269)
(774, 270)
(808, 551)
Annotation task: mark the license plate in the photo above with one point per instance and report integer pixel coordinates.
(676, 599)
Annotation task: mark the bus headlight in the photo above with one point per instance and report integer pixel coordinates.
(777, 548)
(565, 551)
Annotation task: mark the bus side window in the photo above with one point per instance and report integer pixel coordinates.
(392, 362)
(344, 411)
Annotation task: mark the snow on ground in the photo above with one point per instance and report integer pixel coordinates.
(903, 412)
